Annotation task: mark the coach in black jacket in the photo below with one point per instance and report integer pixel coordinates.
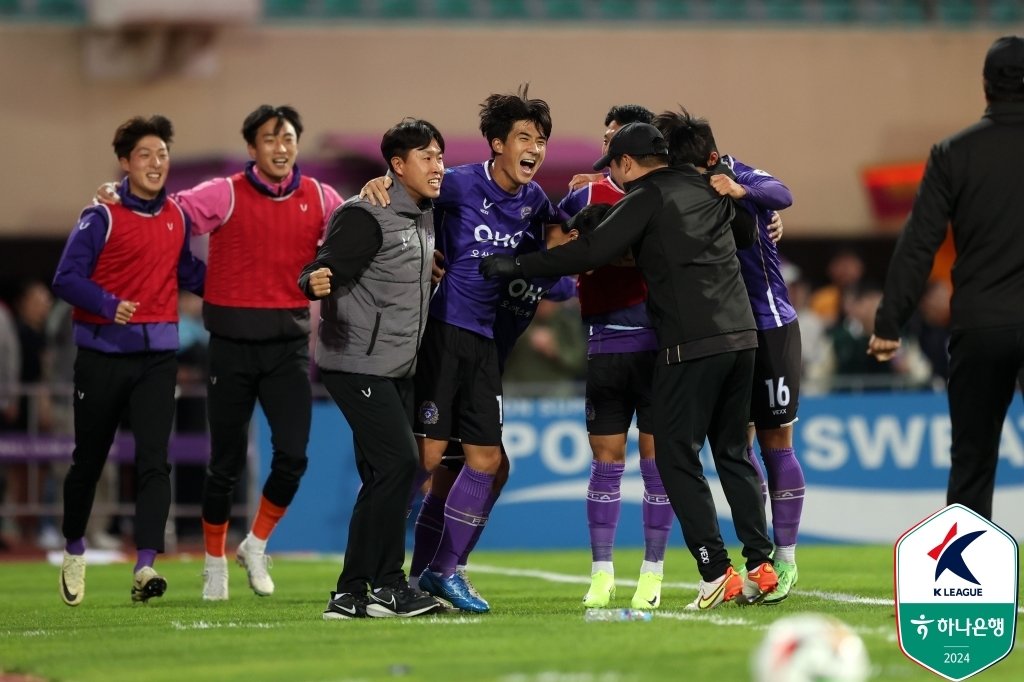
(678, 229)
(965, 182)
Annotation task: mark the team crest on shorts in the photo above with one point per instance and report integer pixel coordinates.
(589, 410)
(429, 413)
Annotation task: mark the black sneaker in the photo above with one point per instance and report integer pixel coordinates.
(400, 601)
(345, 605)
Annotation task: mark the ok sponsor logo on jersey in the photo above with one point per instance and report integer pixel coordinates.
(521, 297)
(489, 237)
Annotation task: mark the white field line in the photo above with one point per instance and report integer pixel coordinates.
(838, 597)
(207, 625)
(584, 580)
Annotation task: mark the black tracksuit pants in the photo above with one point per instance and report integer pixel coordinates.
(277, 374)
(983, 369)
(380, 412)
(106, 385)
(709, 397)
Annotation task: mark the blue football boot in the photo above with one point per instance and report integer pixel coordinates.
(453, 589)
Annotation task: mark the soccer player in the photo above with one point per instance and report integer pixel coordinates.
(684, 236)
(121, 269)
(264, 224)
(516, 310)
(373, 274)
(485, 208)
(620, 370)
(776, 388)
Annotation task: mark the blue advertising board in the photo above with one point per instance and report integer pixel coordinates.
(875, 464)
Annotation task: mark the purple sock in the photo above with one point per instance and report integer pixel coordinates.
(76, 547)
(604, 501)
(657, 512)
(145, 557)
(464, 559)
(427, 535)
(755, 462)
(463, 512)
(786, 482)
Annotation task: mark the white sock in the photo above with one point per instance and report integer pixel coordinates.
(606, 566)
(210, 559)
(657, 567)
(254, 542)
(414, 582)
(787, 554)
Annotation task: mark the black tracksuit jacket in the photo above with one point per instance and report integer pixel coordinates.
(970, 179)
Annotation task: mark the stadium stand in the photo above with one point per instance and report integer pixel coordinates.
(871, 13)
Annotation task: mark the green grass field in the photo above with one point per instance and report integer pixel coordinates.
(535, 632)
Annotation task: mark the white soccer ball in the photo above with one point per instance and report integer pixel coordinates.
(810, 647)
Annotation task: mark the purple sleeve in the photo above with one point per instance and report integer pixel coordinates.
(191, 270)
(72, 280)
(563, 290)
(763, 189)
(574, 201)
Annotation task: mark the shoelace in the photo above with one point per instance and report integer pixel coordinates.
(469, 585)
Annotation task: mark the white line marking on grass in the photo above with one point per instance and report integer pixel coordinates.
(705, 617)
(584, 580)
(558, 676)
(204, 625)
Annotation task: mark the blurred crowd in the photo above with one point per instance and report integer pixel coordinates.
(37, 355)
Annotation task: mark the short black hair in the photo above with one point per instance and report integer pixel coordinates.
(995, 93)
(587, 219)
(628, 113)
(406, 135)
(134, 129)
(498, 113)
(264, 113)
(689, 137)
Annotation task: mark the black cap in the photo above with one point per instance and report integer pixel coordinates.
(1004, 65)
(635, 139)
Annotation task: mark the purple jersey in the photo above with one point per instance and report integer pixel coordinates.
(625, 330)
(760, 264)
(475, 218)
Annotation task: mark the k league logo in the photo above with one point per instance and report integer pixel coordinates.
(956, 592)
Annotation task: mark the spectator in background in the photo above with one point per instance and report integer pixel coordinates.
(121, 269)
(33, 413)
(847, 365)
(191, 407)
(552, 351)
(10, 370)
(193, 357)
(31, 308)
(813, 331)
(984, 202)
(930, 328)
(845, 269)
